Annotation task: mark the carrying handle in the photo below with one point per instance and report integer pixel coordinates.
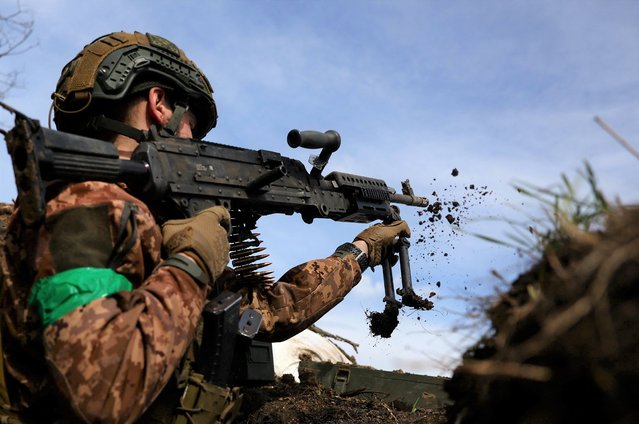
(328, 141)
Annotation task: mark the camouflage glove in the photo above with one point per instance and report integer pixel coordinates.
(380, 237)
(204, 238)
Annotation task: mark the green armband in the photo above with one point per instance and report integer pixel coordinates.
(54, 296)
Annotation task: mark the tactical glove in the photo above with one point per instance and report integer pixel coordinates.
(203, 237)
(381, 237)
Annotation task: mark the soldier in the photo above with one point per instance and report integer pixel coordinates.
(101, 301)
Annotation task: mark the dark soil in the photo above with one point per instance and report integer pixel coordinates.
(383, 324)
(440, 224)
(287, 402)
(413, 300)
(563, 346)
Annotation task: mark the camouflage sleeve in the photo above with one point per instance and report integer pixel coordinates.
(303, 295)
(111, 357)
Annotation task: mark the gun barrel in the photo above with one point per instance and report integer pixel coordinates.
(407, 199)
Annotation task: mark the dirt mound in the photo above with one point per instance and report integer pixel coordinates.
(288, 402)
(564, 345)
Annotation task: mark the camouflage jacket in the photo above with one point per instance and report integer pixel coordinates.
(108, 360)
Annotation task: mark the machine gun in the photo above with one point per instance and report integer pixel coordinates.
(185, 176)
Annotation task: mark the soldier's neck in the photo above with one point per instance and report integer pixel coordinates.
(125, 146)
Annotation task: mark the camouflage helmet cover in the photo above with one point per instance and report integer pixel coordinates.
(120, 63)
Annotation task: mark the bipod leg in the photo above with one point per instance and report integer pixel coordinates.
(409, 297)
(383, 324)
(389, 285)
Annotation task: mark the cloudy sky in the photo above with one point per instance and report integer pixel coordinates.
(502, 91)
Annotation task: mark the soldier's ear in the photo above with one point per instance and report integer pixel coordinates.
(158, 107)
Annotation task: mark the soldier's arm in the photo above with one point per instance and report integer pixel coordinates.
(303, 295)
(308, 291)
(112, 355)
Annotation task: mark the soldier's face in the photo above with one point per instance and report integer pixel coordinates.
(159, 110)
(187, 125)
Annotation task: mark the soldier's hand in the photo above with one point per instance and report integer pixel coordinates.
(203, 237)
(380, 237)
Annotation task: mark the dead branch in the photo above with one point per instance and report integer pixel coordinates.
(616, 136)
(15, 29)
(324, 333)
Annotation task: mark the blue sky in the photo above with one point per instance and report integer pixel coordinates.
(502, 91)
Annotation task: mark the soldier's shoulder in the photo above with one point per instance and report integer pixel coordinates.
(88, 193)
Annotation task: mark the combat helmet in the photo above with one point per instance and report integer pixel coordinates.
(120, 64)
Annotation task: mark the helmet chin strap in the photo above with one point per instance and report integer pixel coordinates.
(101, 122)
(171, 128)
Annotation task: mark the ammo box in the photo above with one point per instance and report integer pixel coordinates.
(415, 390)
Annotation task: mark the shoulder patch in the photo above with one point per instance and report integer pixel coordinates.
(80, 237)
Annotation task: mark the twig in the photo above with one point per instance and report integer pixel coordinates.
(518, 314)
(390, 412)
(557, 267)
(324, 333)
(616, 136)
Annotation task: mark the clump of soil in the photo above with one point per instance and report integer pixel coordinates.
(413, 300)
(440, 222)
(287, 402)
(563, 345)
(452, 210)
(383, 324)
(439, 227)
